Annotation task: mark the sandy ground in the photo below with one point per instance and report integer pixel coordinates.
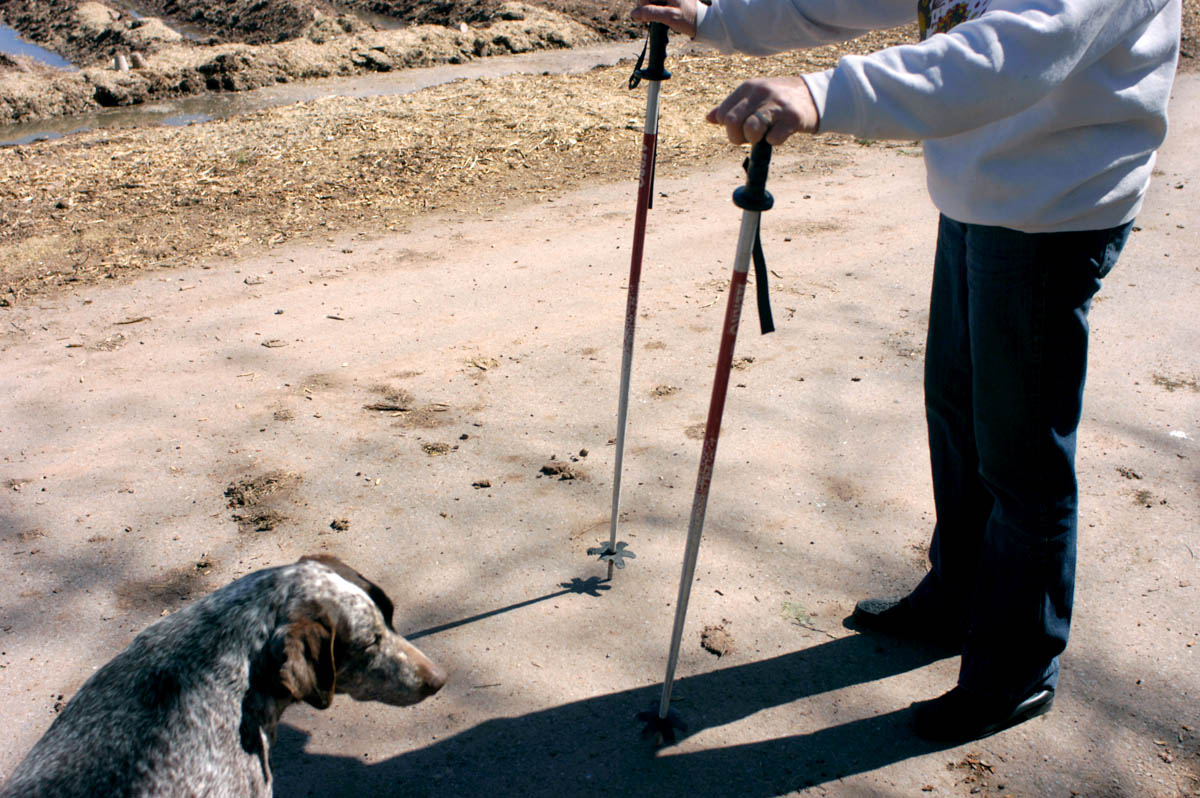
(133, 408)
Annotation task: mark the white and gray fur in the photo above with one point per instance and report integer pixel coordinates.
(191, 706)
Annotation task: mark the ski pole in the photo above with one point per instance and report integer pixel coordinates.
(753, 198)
(655, 73)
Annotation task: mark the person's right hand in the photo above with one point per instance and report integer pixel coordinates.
(678, 15)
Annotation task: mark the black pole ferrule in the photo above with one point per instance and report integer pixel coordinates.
(754, 195)
(655, 68)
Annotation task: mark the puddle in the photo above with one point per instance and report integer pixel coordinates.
(12, 44)
(206, 107)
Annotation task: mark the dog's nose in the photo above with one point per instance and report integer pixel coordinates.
(433, 677)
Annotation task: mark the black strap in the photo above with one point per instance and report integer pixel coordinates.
(636, 77)
(653, 169)
(765, 322)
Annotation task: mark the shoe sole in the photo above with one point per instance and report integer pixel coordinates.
(1034, 706)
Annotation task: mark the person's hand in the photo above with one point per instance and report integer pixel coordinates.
(771, 107)
(678, 15)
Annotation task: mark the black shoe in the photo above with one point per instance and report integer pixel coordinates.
(960, 715)
(900, 618)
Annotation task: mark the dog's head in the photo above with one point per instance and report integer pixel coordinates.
(339, 638)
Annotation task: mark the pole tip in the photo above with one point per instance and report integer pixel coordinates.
(613, 556)
(662, 731)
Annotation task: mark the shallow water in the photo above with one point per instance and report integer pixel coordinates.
(12, 44)
(206, 107)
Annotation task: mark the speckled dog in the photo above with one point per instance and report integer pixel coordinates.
(190, 707)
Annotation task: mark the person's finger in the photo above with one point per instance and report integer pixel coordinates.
(734, 112)
(775, 109)
(757, 125)
(641, 5)
(648, 13)
(732, 119)
(779, 124)
(781, 131)
(672, 13)
(722, 114)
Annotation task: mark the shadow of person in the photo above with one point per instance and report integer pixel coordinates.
(595, 747)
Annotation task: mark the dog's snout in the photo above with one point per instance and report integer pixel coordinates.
(432, 678)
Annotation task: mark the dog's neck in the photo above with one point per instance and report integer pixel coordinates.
(261, 710)
(242, 654)
(263, 704)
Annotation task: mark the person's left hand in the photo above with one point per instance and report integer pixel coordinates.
(774, 107)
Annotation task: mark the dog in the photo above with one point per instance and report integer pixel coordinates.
(190, 708)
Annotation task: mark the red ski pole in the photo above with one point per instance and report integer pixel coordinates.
(655, 73)
(753, 199)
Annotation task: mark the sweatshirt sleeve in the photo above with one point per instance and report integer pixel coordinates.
(983, 70)
(763, 27)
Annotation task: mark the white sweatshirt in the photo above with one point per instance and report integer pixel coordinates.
(1037, 115)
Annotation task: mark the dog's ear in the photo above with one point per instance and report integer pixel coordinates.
(307, 669)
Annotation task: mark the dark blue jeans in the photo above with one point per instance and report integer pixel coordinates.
(1004, 371)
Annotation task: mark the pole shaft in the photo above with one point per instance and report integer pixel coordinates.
(645, 180)
(708, 454)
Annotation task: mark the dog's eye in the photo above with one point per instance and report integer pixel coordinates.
(378, 639)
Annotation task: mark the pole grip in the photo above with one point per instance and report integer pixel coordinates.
(656, 58)
(754, 195)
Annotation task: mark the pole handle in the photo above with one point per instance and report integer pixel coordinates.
(656, 63)
(655, 56)
(754, 195)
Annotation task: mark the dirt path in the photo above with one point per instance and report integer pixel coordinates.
(137, 412)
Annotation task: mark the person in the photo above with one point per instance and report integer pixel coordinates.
(1039, 121)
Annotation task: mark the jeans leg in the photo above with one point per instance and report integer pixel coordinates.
(960, 498)
(1027, 296)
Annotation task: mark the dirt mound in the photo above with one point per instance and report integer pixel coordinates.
(304, 40)
(249, 21)
(258, 22)
(86, 33)
(609, 20)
